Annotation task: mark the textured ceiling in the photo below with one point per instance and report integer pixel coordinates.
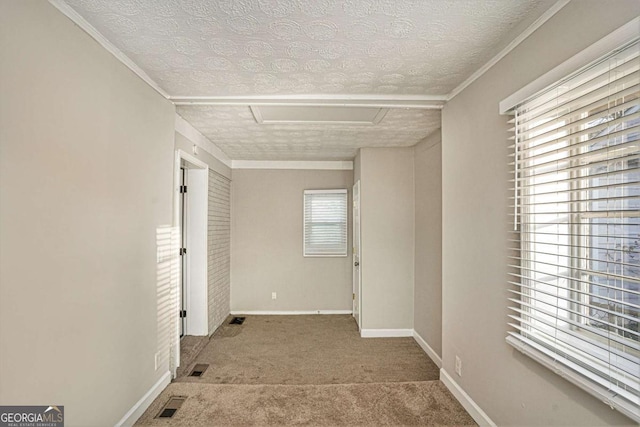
(307, 47)
(236, 132)
(264, 47)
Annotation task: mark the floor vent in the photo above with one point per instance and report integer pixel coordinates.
(198, 370)
(237, 321)
(172, 406)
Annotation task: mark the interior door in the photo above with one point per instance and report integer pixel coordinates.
(183, 249)
(357, 276)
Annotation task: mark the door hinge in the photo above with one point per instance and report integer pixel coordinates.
(183, 313)
(183, 251)
(183, 189)
(353, 296)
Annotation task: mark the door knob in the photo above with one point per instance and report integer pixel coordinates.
(356, 263)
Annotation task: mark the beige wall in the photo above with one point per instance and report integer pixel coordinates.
(387, 237)
(511, 388)
(266, 248)
(86, 167)
(427, 293)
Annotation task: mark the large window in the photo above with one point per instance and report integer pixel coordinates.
(576, 270)
(325, 222)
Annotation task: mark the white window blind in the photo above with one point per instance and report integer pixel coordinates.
(325, 222)
(575, 294)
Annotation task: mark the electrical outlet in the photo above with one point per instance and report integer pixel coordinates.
(273, 295)
(458, 366)
(155, 361)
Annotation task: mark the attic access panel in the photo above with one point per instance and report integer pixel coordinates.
(272, 114)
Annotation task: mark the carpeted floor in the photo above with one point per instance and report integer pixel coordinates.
(310, 370)
(190, 347)
(388, 404)
(309, 350)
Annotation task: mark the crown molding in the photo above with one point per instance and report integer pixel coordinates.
(555, 8)
(320, 100)
(186, 129)
(296, 165)
(84, 25)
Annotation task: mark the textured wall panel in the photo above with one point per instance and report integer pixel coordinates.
(219, 249)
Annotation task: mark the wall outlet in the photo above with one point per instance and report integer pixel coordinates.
(273, 295)
(458, 366)
(155, 361)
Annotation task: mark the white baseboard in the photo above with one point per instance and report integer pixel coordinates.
(288, 313)
(141, 405)
(465, 400)
(385, 333)
(427, 349)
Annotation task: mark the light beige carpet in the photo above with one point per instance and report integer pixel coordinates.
(386, 404)
(320, 349)
(308, 370)
(190, 347)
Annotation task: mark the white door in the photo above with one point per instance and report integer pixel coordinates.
(183, 251)
(356, 254)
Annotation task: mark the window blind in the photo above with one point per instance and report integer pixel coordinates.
(325, 222)
(575, 270)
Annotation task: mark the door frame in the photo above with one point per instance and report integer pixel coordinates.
(196, 257)
(357, 257)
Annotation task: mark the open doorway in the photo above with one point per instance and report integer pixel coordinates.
(357, 276)
(191, 213)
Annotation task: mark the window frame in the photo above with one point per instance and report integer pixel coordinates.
(342, 223)
(577, 351)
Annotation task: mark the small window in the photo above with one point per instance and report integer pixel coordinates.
(325, 223)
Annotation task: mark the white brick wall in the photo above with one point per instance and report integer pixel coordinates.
(219, 249)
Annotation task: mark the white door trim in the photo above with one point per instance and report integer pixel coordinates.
(196, 274)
